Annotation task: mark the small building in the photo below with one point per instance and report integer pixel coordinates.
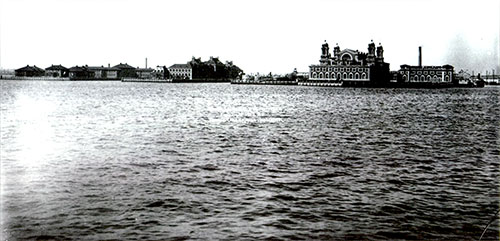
(144, 73)
(161, 72)
(57, 71)
(29, 71)
(463, 78)
(104, 73)
(125, 71)
(181, 71)
(80, 73)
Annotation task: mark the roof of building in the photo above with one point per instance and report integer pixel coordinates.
(56, 67)
(349, 51)
(123, 66)
(78, 69)
(213, 60)
(93, 68)
(180, 66)
(144, 70)
(427, 67)
(30, 68)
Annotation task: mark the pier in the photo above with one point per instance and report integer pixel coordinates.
(265, 82)
(147, 80)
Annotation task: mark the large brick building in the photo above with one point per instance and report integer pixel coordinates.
(350, 67)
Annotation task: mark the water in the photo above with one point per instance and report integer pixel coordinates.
(111, 160)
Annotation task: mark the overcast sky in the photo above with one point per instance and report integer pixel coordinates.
(257, 35)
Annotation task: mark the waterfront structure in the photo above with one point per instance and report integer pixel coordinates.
(57, 71)
(125, 71)
(144, 73)
(420, 74)
(350, 67)
(181, 71)
(29, 71)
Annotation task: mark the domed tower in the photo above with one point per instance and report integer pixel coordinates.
(325, 54)
(380, 53)
(336, 53)
(370, 58)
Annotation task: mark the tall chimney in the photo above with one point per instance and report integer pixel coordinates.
(419, 56)
(146, 63)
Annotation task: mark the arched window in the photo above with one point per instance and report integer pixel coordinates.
(327, 76)
(422, 78)
(339, 76)
(435, 78)
(350, 76)
(363, 76)
(345, 76)
(321, 75)
(416, 78)
(404, 77)
(428, 78)
(315, 75)
(356, 76)
(447, 78)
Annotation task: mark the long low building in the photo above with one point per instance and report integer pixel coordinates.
(425, 74)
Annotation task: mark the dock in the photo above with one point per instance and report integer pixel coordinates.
(264, 82)
(147, 80)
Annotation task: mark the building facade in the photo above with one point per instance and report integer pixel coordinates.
(125, 71)
(29, 71)
(351, 67)
(57, 71)
(181, 71)
(80, 73)
(144, 73)
(421, 75)
(426, 74)
(104, 73)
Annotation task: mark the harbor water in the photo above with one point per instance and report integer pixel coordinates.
(151, 161)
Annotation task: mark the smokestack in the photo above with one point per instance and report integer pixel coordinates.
(146, 63)
(419, 56)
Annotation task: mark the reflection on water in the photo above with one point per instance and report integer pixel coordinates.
(111, 160)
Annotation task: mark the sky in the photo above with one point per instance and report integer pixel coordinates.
(257, 35)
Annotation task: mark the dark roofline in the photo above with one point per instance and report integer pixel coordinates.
(144, 69)
(56, 67)
(123, 66)
(181, 66)
(103, 68)
(30, 68)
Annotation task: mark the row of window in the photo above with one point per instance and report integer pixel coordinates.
(180, 70)
(424, 72)
(422, 78)
(341, 69)
(340, 76)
